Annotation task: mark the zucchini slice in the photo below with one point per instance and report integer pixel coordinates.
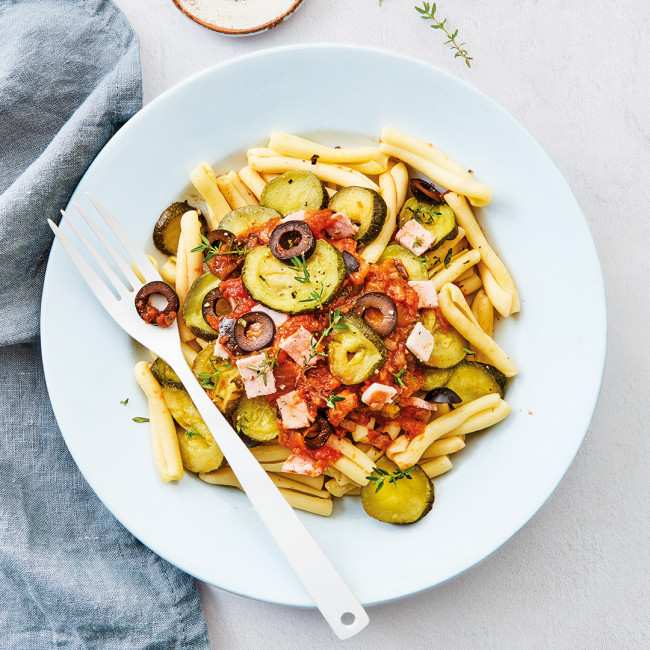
(224, 383)
(448, 345)
(168, 227)
(293, 192)
(438, 219)
(274, 283)
(401, 502)
(250, 217)
(257, 419)
(355, 352)
(416, 269)
(365, 207)
(164, 374)
(199, 451)
(436, 378)
(471, 380)
(193, 306)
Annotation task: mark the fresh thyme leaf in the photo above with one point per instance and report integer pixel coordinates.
(334, 323)
(425, 261)
(397, 475)
(124, 402)
(209, 251)
(141, 419)
(332, 400)
(468, 351)
(239, 426)
(398, 377)
(191, 433)
(267, 364)
(417, 242)
(210, 380)
(448, 258)
(429, 13)
(299, 265)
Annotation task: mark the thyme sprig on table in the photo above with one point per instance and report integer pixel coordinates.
(429, 13)
(379, 476)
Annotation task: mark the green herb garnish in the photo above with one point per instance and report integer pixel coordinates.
(333, 399)
(124, 402)
(448, 258)
(210, 380)
(429, 13)
(267, 364)
(334, 324)
(141, 420)
(191, 433)
(468, 351)
(383, 475)
(209, 251)
(398, 377)
(299, 265)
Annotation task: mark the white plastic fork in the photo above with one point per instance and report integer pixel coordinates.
(331, 595)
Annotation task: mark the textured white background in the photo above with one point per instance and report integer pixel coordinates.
(577, 75)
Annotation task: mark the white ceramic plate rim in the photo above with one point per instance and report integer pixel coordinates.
(146, 518)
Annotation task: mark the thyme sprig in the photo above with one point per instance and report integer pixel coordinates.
(424, 215)
(239, 425)
(398, 377)
(191, 433)
(209, 251)
(124, 402)
(447, 259)
(315, 295)
(332, 400)
(138, 419)
(334, 324)
(266, 364)
(379, 476)
(299, 265)
(429, 13)
(210, 380)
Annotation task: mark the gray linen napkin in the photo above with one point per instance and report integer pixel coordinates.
(70, 575)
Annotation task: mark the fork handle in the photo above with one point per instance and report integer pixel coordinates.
(337, 603)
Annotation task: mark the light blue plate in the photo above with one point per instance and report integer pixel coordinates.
(558, 341)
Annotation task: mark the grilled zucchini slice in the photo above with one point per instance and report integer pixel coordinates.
(401, 502)
(448, 347)
(250, 217)
(273, 283)
(257, 419)
(437, 218)
(164, 374)
(168, 227)
(436, 378)
(199, 451)
(222, 379)
(471, 380)
(193, 306)
(355, 352)
(293, 192)
(416, 269)
(365, 207)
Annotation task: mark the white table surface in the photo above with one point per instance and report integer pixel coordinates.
(577, 75)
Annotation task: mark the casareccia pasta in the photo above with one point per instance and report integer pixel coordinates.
(340, 314)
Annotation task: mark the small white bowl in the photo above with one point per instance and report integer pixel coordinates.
(238, 17)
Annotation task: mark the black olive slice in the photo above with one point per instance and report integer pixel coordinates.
(292, 239)
(220, 235)
(442, 395)
(424, 191)
(150, 314)
(211, 309)
(351, 263)
(254, 331)
(318, 434)
(227, 334)
(386, 307)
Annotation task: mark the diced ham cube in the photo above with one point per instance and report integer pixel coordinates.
(376, 396)
(414, 236)
(426, 290)
(294, 411)
(220, 351)
(419, 403)
(296, 216)
(341, 226)
(299, 464)
(258, 379)
(420, 342)
(298, 347)
(277, 317)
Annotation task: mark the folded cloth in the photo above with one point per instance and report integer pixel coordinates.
(70, 575)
